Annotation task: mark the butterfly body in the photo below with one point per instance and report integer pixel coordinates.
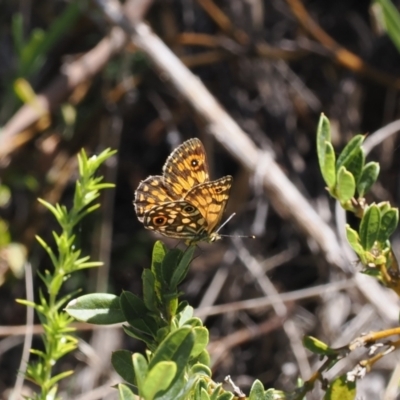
(183, 203)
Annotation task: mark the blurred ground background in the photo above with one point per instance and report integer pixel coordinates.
(274, 76)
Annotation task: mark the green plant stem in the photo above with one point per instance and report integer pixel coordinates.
(57, 336)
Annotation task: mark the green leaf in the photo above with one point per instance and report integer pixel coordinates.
(384, 207)
(158, 379)
(226, 396)
(198, 387)
(49, 250)
(350, 154)
(345, 186)
(369, 226)
(323, 136)
(389, 18)
(317, 346)
(181, 306)
(203, 395)
(122, 363)
(139, 334)
(354, 241)
(177, 346)
(137, 314)
(51, 382)
(141, 369)
(216, 391)
(368, 177)
(256, 391)
(201, 369)
(169, 265)
(52, 394)
(356, 164)
(204, 358)
(185, 315)
(180, 389)
(181, 270)
(149, 293)
(125, 393)
(162, 333)
(159, 252)
(389, 222)
(201, 341)
(326, 153)
(132, 305)
(96, 308)
(340, 389)
(194, 322)
(328, 171)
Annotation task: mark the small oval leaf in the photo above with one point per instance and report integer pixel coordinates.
(369, 226)
(341, 389)
(158, 379)
(203, 395)
(122, 363)
(96, 308)
(257, 391)
(181, 270)
(350, 152)
(368, 177)
(169, 266)
(345, 186)
(177, 346)
(140, 368)
(317, 346)
(323, 136)
(355, 243)
(200, 369)
(201, 341)
(328, 170)
(325, 151)
(125, 393)
(149, 291)
(389, 222)
(226, 396)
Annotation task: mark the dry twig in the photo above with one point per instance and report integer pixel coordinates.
(343, 56)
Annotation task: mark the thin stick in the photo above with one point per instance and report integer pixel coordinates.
(16, 394)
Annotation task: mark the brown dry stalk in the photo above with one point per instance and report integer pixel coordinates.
(343, 56)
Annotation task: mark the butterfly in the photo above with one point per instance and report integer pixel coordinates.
(183, 203)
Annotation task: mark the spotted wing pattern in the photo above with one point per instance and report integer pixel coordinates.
(150, 192)
(195, 218)
(186, 167)
(177, 219)
(183, 203)
(211, 199)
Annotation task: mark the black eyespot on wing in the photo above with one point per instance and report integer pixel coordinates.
(159, 221)
(218, 189)
(195, 163)
(188, 209)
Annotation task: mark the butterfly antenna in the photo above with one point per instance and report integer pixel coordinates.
(240, 236)
(227, 220)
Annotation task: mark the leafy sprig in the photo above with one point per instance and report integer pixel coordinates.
(66, 259)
